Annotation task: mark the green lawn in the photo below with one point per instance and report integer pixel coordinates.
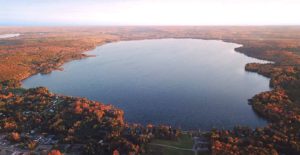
(157, 150)
(184, 141)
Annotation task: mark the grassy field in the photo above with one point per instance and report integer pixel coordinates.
(158, 150)
(185, 141)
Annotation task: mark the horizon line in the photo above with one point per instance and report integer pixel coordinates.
(154, 25)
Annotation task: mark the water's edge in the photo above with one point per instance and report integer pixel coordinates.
(87, 52)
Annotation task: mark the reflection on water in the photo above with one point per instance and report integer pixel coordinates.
(187, 83)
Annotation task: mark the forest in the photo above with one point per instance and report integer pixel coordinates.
(26, 113)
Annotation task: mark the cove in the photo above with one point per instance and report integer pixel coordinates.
(186, 83)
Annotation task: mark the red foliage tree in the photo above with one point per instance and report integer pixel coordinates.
(55, 152)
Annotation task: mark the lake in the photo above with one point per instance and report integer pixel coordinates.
(3, 36)
(187, 83)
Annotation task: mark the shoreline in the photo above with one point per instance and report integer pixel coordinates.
(277, 105)
(235, 44)
(85, 56)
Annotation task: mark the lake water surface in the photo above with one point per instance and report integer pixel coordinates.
(187, 83)
(3, 36)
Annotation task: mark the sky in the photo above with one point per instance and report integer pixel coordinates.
(149, 12)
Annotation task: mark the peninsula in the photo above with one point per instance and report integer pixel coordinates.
(36, 119)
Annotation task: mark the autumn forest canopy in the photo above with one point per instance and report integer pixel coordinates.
(39, 37)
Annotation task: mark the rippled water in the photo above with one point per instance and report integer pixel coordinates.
(188, 83)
